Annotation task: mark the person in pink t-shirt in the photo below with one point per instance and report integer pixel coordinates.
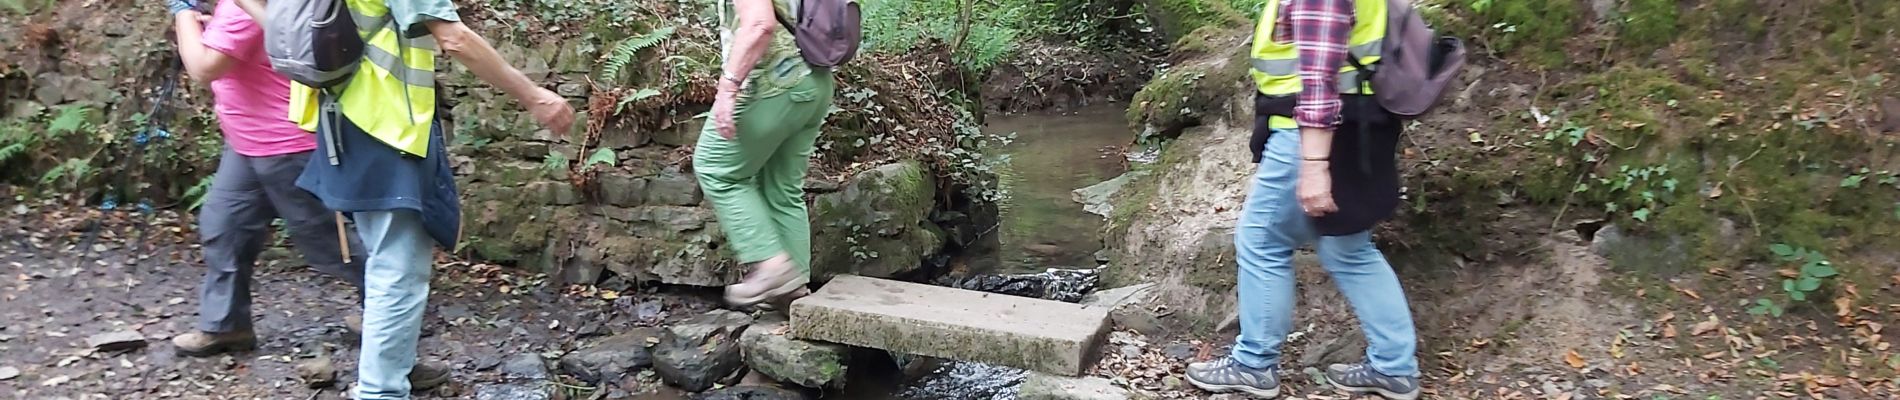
(256, 179)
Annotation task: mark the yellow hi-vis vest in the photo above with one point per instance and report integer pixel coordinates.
(392, 94)
(1276, 66)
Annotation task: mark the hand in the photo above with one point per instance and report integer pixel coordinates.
(724, 105)
(552, 111)
(178, 6)
(1315, 189)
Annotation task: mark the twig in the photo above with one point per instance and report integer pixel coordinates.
(1573, 194)
(573, 387)
(313, 395)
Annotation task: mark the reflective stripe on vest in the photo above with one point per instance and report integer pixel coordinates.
(392, 95)
(1276, 65)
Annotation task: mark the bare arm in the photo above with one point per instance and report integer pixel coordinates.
(468, 48)
(253, 7)
(200, 62)
(750, 39)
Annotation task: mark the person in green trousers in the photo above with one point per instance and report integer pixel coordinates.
(752, 154)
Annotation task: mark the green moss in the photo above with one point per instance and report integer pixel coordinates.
(1163, 101)
(1180, 17)
(1537, 28)
(1648, 24)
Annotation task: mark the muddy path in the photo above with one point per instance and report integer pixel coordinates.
(57, 294)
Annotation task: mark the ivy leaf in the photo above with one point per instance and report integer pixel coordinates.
(1798, 296)
(603, 156)
(1783, 250)
(1669, 184)
(1787, 285)
(1641, 215)
(1852, 182)
(1819, 271)
(1808, 284)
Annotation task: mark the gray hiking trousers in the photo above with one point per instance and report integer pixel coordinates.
(246, 194)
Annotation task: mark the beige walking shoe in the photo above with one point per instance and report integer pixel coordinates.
(770, 279)
(201, 344)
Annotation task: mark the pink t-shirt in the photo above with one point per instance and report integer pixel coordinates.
(252, 100)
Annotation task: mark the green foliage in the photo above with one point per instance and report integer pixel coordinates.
(1648, 24)
(1538, 27)
(642, 94)
(196, 195)
(554, 162)
(601, 156)
(624, 53)
(900, 26)
(1814, 272)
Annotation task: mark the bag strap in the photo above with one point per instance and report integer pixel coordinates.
(789, 25)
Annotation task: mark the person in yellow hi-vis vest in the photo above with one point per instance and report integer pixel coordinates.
(381, 158)
(1314, 187)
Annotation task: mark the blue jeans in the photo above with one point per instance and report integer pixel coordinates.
(1271, 226)
(396, 290)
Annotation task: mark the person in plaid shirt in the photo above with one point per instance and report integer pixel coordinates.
(1293, 199)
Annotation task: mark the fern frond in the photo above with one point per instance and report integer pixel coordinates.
(10, 151)
(624, 52)
(70, 119)
(197, 193)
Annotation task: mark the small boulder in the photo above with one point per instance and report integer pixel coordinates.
(317, 372)
(810, 364)
(700, 352)
(9, 373)
(512, 391)
(1041, 386)
(613, 356)
(750, 392)
(525, 366)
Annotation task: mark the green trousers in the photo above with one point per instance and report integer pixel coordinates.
(756, 182)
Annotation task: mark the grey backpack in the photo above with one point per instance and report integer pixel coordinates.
(827, 31)
(312, 42)
(1415, 66)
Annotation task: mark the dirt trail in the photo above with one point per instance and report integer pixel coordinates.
(56, 295)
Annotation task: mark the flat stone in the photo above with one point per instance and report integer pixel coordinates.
(1116, 297)
(804, 363)
(613, 356)
(1042, 386)
(116, 341)
(1034, 334)
(750, 392)
(1096, 199)
(7, 373)
(672, 190)
(622, 190)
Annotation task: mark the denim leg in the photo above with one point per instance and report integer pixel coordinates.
(396, 286)
(1369, 284)
(1270, 228)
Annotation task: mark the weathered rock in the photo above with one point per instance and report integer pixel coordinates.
(525, 366)
(800, 362)
(1117, 297)
(1042, 386)
(116, 341)
(685, 260)
(1179, 351)
(672, 190)
(1096, 198)
(622, 190)
(317, 372)
(555, 193)
(958, 324)
(512, 391)
(700, 352)
(750, 392)
(878, 225)
(613, 356)
(7, 373)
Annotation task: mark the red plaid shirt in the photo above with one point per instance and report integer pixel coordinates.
(1321, 30)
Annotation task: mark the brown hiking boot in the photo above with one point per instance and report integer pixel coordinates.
(427, 375)
(201, 344)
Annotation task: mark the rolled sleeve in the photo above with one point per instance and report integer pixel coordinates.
(1321, 29)
(411, 15)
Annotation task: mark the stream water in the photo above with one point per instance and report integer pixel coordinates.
(1048, 243)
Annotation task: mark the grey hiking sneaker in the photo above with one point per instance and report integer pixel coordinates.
(1361, 378)
(1225, 376)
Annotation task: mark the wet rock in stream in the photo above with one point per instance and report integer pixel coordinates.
(1040, 386)
(703, 351)
(1065, 285)
(609, 358)
(749, 392)
(805, 363)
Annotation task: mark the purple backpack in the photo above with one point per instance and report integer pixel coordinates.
(1415, 65)
(827, 31)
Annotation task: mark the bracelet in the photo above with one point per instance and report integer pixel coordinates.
(1314, 158)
